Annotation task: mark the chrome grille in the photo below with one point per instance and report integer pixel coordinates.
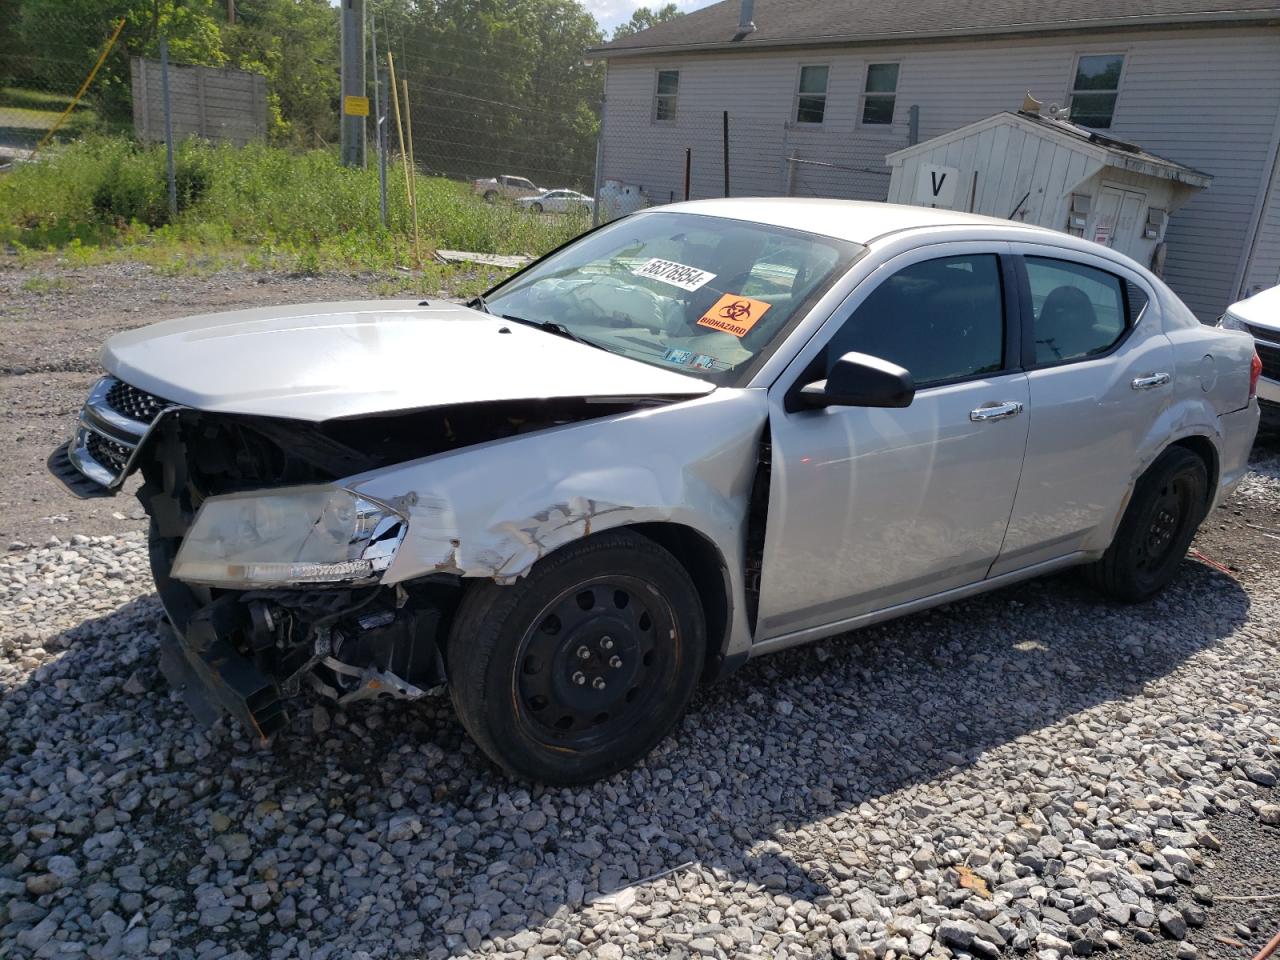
(114, 421)
(134, 403)
(1270, 357)
(111, 454)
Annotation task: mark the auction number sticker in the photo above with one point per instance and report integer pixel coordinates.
(734, 314)
(676, 274)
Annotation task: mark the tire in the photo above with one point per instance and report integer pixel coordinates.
(490, 196)
(580, 668)
(1169, 501)
(537, 207)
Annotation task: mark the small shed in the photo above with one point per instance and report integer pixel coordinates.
(1052, 173)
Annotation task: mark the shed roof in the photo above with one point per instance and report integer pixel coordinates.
(1107, 150)
(813, 22)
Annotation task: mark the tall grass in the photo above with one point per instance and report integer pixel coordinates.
(111, 193)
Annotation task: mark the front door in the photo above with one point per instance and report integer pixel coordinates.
(874, 507)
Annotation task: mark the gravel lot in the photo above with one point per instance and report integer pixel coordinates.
(1033, 772)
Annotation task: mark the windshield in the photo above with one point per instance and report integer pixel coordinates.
(705, 295)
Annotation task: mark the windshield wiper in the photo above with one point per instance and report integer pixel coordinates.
(481, 303)
(550, 326)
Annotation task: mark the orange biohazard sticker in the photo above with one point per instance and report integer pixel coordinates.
(734, 314)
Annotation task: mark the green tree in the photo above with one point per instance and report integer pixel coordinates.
(294, 44)
(499, 86)
(644, 18)
(63, 38)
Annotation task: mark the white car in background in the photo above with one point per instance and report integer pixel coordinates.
(557, 201)
(1259, 316)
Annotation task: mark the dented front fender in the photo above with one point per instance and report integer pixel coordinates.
(494, 509)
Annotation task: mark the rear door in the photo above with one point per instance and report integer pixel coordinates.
(1100, 374)
(874, 507)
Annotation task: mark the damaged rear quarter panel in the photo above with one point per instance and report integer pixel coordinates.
(494, 509)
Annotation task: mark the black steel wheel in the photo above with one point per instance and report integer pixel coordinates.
(580, 668)
(1168, 503)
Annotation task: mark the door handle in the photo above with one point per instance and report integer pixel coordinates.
(996, 411)
(1151, 382)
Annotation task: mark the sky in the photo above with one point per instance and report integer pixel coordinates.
(610, 13)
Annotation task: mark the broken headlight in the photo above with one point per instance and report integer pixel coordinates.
(288, 537)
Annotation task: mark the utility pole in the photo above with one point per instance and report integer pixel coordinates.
(355, 104)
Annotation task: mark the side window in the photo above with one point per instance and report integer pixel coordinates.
(941, 319)
(1079, 311)
(811, 99)
(880, 92)
(1137, 301)
(665, 94)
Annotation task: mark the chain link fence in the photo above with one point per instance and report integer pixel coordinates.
(462, 109)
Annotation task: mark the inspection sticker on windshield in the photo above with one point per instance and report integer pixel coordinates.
(676, 274)
(734, 314)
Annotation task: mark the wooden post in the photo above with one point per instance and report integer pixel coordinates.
(395, 100)
(413, 183)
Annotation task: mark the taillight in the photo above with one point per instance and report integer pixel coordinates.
(1255, 371)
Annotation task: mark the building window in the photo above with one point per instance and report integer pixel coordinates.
(1093, 92)
(877, 100)
(664, 97)
(811, 100)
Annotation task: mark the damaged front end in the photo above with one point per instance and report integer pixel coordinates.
(269, 569)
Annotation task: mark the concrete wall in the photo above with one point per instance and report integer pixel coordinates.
(220, 104)
(1208, 98)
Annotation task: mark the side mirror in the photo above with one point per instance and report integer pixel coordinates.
(859, 380)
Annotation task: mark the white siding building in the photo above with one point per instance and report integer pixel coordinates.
(819, 92)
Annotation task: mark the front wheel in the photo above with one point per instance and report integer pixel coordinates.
(580, 668)
(537, 208)
(1157, 528)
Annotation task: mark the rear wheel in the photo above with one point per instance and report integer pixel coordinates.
(490, 196)
(537, 208)
(577, 670)
(1157, 528)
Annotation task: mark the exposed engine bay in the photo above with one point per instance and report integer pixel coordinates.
(248, 651)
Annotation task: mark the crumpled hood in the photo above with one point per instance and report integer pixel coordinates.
(325, 360)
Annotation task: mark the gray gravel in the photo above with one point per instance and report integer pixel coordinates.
(1034, 772)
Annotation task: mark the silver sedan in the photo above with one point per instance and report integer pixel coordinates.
(700, 434)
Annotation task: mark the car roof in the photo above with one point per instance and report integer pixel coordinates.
(860, 221)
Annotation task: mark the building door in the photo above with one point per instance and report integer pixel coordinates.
(1115, 219)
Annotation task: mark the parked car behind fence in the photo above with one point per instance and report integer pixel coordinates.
(557, 201)
(505, 187)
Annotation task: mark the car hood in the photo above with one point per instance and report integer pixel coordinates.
(320, 361)
(1260, 310)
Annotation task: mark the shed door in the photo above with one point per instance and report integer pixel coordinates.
(1115, 220)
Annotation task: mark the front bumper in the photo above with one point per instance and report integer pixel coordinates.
(214, 679)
